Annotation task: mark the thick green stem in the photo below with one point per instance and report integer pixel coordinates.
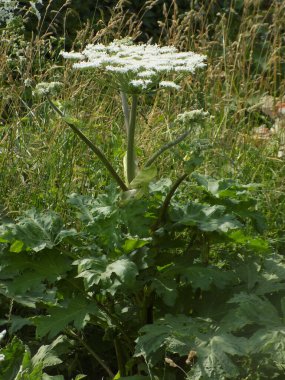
(131, 155)
(169, 145)
(120, 357)
(93, 147)
(166, 203)
(126, 110)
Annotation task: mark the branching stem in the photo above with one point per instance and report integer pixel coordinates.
(169, 145)
(166, 203)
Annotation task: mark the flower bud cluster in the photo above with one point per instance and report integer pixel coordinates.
(137, 68)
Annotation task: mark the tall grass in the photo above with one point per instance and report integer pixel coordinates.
(41, 162)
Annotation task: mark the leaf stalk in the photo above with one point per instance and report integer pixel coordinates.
(169, 145)
(99, 153)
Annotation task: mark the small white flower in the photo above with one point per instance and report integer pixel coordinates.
(86, 65)
(72, 55)
(142, 83)
(169, 84)
(28, 82)
(146, 73)
(2, 357)
(117, 69)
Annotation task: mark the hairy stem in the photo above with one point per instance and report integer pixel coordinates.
(92, 146)
(131, 155)
(91, 352)
(169, 145)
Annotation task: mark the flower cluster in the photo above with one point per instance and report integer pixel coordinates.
(137, 67)
(191, 116)
(7, 9)
(45, 88)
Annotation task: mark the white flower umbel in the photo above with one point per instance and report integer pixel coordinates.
(138, 68)
(7, 10)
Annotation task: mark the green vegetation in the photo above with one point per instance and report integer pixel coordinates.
(143, 242)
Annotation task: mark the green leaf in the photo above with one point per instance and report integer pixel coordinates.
(17, 246)
(250, 310)
(48, 377)
(93, 209)
(100, 217)
(13, 353)
(109, 276)
(205, 217)
(17, 363)
(37, 231)
(132, 244)
(269, 342)
(271, 275)
(144, 177)
(255, 243)
(48, 355)
(75, 313)
(166, 289)
(123, 269)
(214, 357)
(180, 334)
(223, 188)
(17, 323)
(136, 377)
(28, 278)
(163, 185)
(202, 277)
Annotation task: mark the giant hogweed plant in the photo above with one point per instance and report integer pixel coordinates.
(154, 282)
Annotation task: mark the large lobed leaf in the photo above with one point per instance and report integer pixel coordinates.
(35, 231)
(74, 313)
(27, 278)
(109, 275)
(206, 217)
(181, 334)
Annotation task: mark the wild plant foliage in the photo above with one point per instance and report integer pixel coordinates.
(152, 278)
